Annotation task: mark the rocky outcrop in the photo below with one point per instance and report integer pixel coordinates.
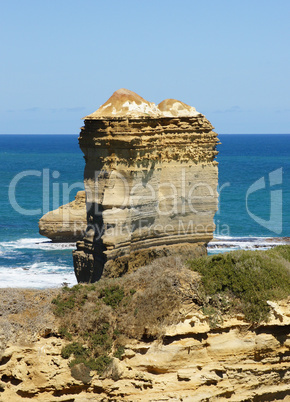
(151, 184)
(193, 362)
(67, 223)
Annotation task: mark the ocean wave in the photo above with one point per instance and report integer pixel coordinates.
(37, 275)
(35, 262)
(36, 243)
(227, 243)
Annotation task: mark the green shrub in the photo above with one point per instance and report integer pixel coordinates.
(95, 332)
(68, 299)
(119, 351)
(253, 277)
(282, 251)
(103, 340)
(75, 349)
(63, 304)
(112, 296)
(98, 364)
(64, 333)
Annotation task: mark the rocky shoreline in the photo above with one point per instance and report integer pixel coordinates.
(246, 243)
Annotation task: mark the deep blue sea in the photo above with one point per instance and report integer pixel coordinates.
(37, 170)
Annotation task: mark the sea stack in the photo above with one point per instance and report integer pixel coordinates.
(151, 184)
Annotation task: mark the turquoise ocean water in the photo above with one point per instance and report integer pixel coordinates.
(254, 186)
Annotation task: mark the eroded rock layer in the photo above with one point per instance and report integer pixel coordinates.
(67, 223)
(150, 181)
(233, 362)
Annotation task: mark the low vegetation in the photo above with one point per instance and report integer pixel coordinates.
(99, 319)
(24, 313)
(243, 281)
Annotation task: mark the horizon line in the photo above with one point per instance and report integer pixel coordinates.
(79, 133)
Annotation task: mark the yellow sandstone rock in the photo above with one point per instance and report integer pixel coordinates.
(151, 184)
(67, 223)
(232, 362)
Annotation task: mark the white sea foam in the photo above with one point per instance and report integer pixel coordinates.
(37, 275)
(19, 271)
(37, 243)
(227, 243)
(41, 274)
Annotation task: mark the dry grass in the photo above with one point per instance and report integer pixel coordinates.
(161, 289)
(151, 298)
(104, 316)
(25, 313)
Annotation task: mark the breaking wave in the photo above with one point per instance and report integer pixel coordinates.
(222, 244)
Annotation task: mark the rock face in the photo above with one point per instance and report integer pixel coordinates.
(193, 362)
(151, 184)
(67, 223)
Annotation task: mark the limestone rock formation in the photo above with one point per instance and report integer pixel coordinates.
(151, 184)
(233, 362)
(67, 223)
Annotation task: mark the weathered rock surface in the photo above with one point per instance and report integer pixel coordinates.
(193, 362)
(151, 184)
(67, 223)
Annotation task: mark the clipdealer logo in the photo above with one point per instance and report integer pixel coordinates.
(275, 221)
(168, 196)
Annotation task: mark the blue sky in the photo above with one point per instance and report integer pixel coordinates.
(60, 60)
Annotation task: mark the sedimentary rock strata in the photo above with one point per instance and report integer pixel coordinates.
(67, 223)
(150, 181)
(193, 362)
